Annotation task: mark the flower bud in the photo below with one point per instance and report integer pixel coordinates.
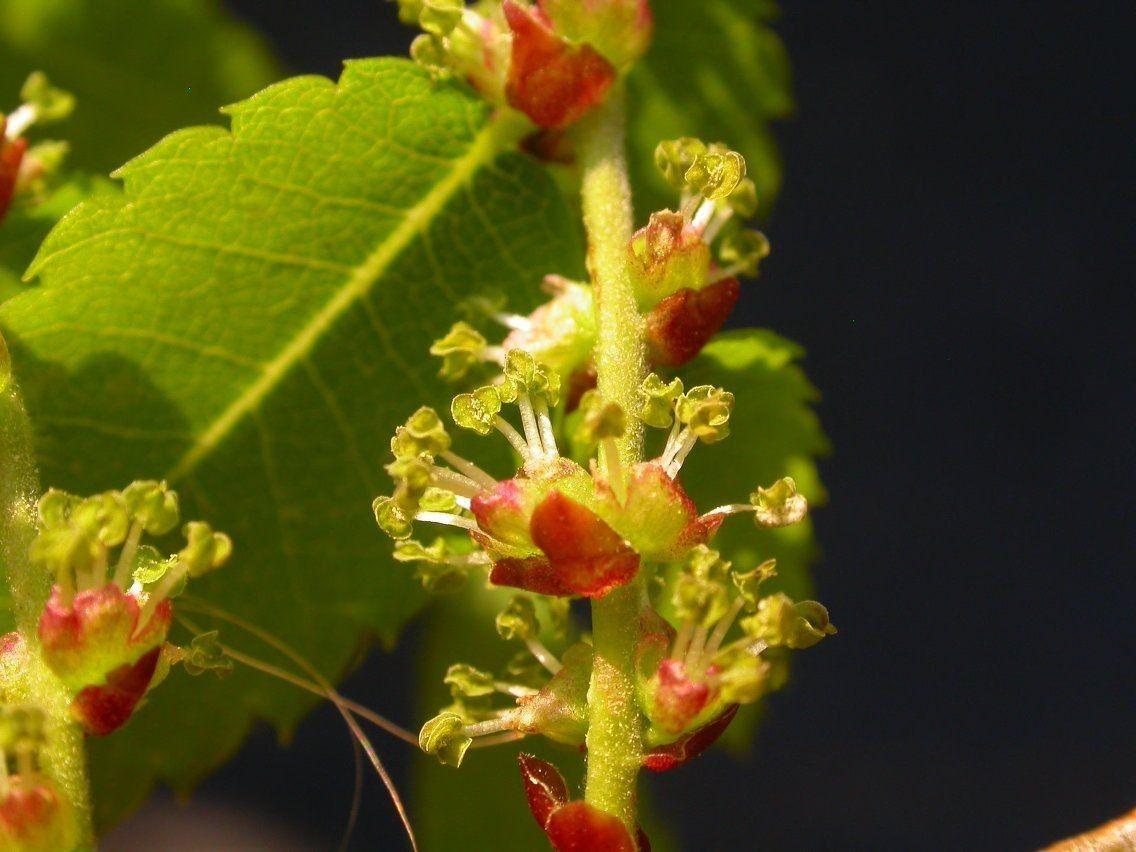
(619, 29)
(34, 816)
(682, 324)
(668, 255)
(551, 80)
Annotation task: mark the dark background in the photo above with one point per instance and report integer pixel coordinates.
(952, 248)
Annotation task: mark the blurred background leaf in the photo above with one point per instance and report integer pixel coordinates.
(138, 70)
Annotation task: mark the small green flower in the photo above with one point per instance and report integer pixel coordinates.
(445, 738)
(779, 505)
(461, 349)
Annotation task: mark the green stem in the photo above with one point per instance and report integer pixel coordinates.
(615, 730)
(63, 756)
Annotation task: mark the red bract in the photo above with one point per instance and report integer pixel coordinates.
(572, 826)
(11, 155)
(682, 751)
(106, 708)
(582, 554)
(552, 81)
(681, 324)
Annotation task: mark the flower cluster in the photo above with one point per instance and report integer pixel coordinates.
(561, 528)
(34, 815)
(685, 267)
(23, 168)
(553, 61)
(104, 628)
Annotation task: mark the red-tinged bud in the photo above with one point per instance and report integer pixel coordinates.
(657, 517)
(105, 708)
(668, 255)
(675, 698)
(681, 324)
(560, 710)
(11, 155)
(551, 80)
(619, 29)
(561, 333)
(98, 633)
(545, 788)
(684, 750)
(34, 817)
(580, 827)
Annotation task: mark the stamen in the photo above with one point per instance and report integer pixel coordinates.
(455, 482)
(166, 585)
(691, 204)
(20, 120)
(469, 469)
(462, 501)
(671, 444)
(496, 354)
(513, 437)
(716, 224)
(544, 422)
(126, 557)
(514, 689)
(514, 321)
(447, 519)
(727, 272)
(723, 627)
(528, 421)
(543, 656)
(498, 739)
(504, 722)
(704, 215)
(687, 444)
(697, 644)
(615, 474)
(731, 509)
(682, 640)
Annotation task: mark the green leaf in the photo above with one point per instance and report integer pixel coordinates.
(28, 223)
(137, 69)
(250, 319)
(717, 71)
(774, 433)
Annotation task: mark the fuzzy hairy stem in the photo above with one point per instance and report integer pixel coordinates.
(63, 756)
(615, 730)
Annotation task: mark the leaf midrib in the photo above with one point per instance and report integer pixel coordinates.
(485, 146)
